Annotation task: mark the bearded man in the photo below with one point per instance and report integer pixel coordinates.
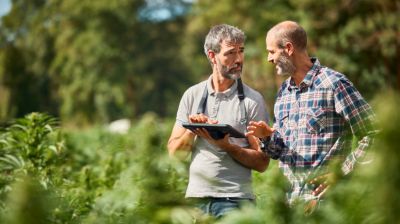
(317, 113)
(220, 177)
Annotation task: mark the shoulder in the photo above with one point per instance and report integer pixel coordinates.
(195, 89)
(255, 104)
(329, 78)
(252, 94)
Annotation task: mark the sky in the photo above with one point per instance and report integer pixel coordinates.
(159, 14)
(5, 6)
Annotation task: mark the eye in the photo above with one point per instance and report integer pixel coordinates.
(229, 53)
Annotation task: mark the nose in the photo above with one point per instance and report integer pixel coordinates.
(239, 57)
(270, 59)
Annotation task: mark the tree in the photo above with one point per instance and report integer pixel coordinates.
(24, 59)
(358, 38)
(91, 61)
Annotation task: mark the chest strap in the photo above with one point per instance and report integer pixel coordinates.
(203, 102)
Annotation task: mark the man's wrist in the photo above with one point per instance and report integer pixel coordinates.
(264, 142)
(265, 139)
(189, 135)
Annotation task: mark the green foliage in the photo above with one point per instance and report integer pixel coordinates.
(387, 203)
(30, 146)
(95, 61)
(94, 176)
(29, 203)
(149, 187)
(85, 61)
(359, 39)
(26, 51)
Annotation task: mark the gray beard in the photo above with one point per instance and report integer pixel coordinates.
(285, 66)
(228, 74)
(233, 76)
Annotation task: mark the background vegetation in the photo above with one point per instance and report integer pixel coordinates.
(93, 176)
(91, 62)
(78, 65)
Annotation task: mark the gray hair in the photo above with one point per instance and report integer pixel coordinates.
(219, 33)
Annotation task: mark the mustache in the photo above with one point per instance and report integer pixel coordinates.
(235, 67)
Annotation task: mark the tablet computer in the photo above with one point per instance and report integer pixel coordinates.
(217, 131)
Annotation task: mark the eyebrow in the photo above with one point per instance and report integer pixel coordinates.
(233, 49)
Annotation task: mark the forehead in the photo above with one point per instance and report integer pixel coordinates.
(271, 41)
(226, 44)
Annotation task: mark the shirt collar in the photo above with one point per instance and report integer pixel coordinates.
(227, 92)
(308, 79)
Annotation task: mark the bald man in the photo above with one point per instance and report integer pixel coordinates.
(317, 113)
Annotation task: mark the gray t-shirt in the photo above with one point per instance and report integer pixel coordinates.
(213, 173)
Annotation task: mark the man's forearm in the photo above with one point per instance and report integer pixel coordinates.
(251, 158)
(181, 143)
(358, 155)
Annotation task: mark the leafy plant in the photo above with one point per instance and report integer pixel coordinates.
(94, 176)
(29, 146)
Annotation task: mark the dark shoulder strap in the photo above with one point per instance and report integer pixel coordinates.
(203, 102)
(241, 97)
(240, 89)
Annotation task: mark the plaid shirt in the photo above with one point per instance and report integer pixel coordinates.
(314, 123)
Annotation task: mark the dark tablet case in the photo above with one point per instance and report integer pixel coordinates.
(216, 130)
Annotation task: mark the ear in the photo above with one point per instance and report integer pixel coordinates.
(289, 48)
(211, 56)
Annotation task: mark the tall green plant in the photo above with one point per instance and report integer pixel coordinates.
(29, 203)
(30, 145)
(93, 176)
(150, 186)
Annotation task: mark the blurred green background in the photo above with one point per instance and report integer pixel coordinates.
(90, 62)
(70, 67)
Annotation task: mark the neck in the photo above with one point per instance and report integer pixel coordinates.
(303, 65)
(220, 83)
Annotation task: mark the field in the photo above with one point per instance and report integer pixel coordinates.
(51, 174)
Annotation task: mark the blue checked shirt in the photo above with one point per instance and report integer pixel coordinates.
(315, 123)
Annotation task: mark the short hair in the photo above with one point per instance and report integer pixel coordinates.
(290, 31)
(219, 33)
